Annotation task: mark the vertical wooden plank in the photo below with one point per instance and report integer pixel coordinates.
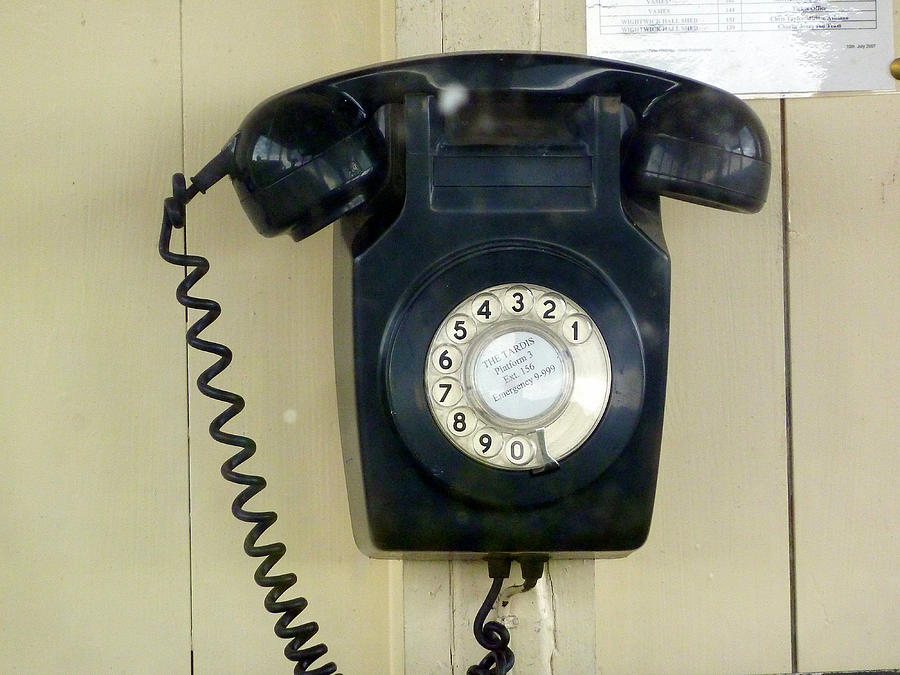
(419, 27)
(427, 585)
(709, 591)
(573, 589)
(95, 569)
(498, 24)
(427, 612)
(277, 317)
(564, 599)
(389, 31)
(844, 162)
(550, 25)
(563, 26)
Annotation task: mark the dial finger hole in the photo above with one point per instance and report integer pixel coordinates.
(460, 328)
(518, 300)
(461, 421)
(577, 328)
(446, 359)
(446, 391)
(519, 450)
(551, 308)
(487, 443)
(486, 308)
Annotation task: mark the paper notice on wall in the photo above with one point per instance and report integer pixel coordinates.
(752, 46)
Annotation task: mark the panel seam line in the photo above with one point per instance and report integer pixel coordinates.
(788, 382)
(187, 373)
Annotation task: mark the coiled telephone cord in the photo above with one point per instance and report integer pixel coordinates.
(299, 635)
(492, 635)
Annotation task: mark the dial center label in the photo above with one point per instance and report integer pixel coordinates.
(519, 375)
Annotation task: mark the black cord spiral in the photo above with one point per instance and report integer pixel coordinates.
(299, 635)
(493, 635)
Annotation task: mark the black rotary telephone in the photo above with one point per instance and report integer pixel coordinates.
(501, 289)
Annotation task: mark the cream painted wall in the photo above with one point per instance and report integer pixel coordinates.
(119, 554)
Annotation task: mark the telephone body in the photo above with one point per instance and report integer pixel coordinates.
(501, 283)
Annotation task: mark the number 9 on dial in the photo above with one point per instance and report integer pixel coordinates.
(487, 442)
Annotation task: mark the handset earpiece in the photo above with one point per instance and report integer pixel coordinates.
(700, 145)
(303, 159)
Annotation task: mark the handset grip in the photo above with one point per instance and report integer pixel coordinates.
(701, 145)
(309, 155)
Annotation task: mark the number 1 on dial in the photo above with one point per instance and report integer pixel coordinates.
(577, 329)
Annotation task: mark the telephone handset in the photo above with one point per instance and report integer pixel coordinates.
(501, 293)
(501, 282)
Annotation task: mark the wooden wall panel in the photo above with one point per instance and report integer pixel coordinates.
(498, 24)
(94, 567)
(419, 27)
(710, 591)
(276, 296)
(562, 26)
(844, 176)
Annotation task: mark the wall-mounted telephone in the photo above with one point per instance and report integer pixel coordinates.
(501, 283)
